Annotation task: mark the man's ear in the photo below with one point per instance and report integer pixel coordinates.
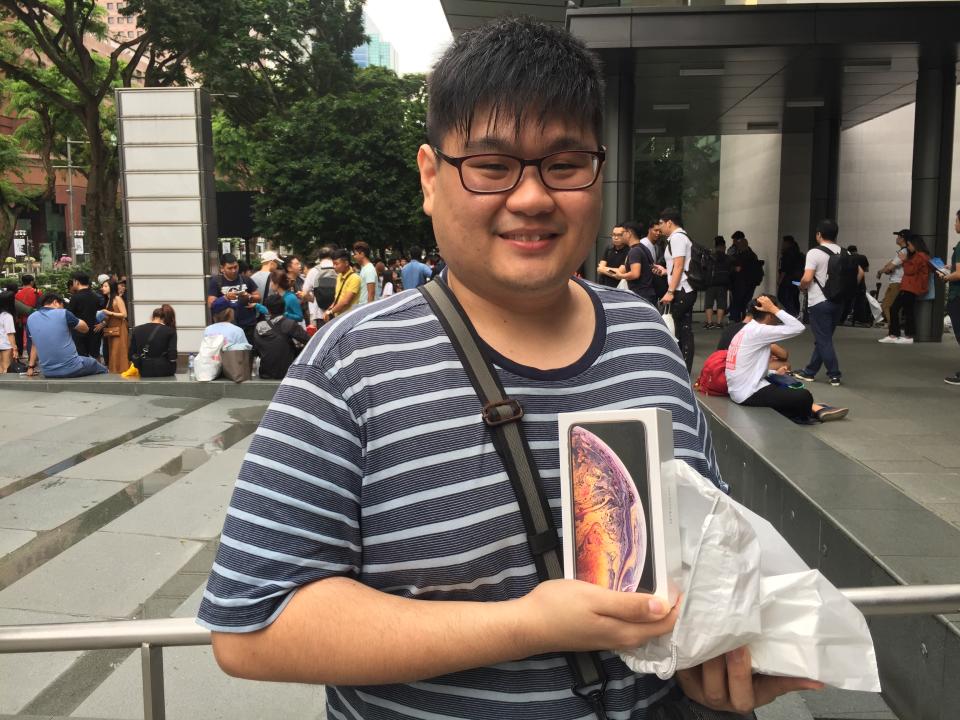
(427, 163)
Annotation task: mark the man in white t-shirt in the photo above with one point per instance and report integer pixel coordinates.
(269, 261)
(321, 281)
(894, 269)
(370, 287)
(748, 371)
(679, 296)
(824, 314)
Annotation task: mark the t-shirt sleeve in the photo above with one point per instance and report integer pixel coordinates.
(811, 263)
(6, 324)
(213, 288)
(352, 284)
(251, 285)
(295, 513)
(678, 247)
(427, 272)
(71, 319)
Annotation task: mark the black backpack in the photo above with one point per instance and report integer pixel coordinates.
(325, 289)
(842, 273)
(702, 268)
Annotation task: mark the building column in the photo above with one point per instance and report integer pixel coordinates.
(930, 215)
(824, 173)
(618, 137)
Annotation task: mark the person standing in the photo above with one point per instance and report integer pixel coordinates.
(680, 296)
(28, 296)
(824, 313)
(85, 304)
(153, 345)
(614, 257)
(746, 269)
(240, 291)
(913, 285)
(789, 274)
(115, 329)
(637, 270)
(347, 291)
(8, 330)
(414, 273)
(370, 287)
(952, 275)
(269, 261)
(322, 282)
(894, 268)
(719, 288)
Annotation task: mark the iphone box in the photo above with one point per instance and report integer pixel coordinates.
(619, 503)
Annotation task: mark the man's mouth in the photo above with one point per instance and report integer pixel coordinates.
(529, 238)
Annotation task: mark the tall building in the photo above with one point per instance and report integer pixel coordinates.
(120, 27)
(377, 52)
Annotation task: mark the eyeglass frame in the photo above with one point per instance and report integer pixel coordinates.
(457, 162)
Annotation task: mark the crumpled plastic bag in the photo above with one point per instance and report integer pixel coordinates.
(744, 585)
(131, 372)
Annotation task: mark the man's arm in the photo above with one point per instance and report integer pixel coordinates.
(346, 299)
(82, 327)
(371, 291)
(32, 362)
(338, 631)
(632, 274)
(807, 280)
(673, 284)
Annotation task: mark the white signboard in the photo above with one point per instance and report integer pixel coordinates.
(19, 243)
(78, 236)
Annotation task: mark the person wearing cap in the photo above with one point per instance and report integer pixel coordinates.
(223, 314)
(894, 268)
(269, 261)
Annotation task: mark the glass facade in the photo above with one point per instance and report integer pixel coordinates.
(377, 52)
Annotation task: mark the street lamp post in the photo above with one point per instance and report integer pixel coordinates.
(69, 167)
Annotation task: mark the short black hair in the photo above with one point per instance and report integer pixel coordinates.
(341, 254)
(635, 228)
(789, 239)
(48, 298)
(274, 304)
(759, 315)
(228, 259)
(517, 68)
(828, 229)
(415, 252)
(718, 241)
(671, 215)
(851, 248)
(27, 279)
(80, 277)
(325, 252)
(738, 235)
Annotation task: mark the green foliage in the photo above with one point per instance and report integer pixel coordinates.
(56, 280)
(343, 167)
(675, 172)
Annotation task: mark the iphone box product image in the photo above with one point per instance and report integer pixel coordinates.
(619, 503)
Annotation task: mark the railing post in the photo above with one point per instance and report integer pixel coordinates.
(151, 659)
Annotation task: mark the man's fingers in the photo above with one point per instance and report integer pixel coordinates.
(740, 680)
(767, 688)
(715, 683)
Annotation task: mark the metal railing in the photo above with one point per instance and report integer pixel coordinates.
(151, 636)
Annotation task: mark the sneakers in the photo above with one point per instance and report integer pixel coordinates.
(800, 375)
(828, 413)
(889, 339)
(952, 379)
(835, 382)
(904, 341)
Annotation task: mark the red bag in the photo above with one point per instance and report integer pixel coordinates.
(713, 377)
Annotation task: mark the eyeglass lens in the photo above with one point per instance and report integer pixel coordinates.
(561, 171)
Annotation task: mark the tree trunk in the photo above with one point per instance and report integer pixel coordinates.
(106, 246)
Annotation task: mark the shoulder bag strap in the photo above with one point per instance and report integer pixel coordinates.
(502, 415)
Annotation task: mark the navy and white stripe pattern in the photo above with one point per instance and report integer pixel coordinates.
(372, 462)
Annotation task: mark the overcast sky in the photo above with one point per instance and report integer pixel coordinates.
(416, 28)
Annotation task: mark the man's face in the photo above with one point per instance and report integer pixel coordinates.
(956, 225)
(653, 233)
(230, 270)
(530, 239)
(619, 236)
(901, 243)
(341, 265)
(295, 266)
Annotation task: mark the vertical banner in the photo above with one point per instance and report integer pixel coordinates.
(78, 238)
(169, 203)
(19, 244)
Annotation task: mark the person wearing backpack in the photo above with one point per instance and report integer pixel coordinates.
(915, 283)
(680, 295)
(830, 277)
(718, 285)
(322, 279)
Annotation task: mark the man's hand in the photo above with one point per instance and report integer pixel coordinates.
(231, 296)
(658, 270)
(765, 304)
(728, 683)
(575, 616)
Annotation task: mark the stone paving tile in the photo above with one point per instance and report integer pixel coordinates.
(50, 503)
(126, 463)
(929, 489)
(104, 575)
(14, 426)
(24, 458)
(11, 539)
(67, 404)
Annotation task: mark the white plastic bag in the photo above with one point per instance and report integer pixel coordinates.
(667, 317)
(207, 364)
(623, 285)
(744, 585)
(875, 308)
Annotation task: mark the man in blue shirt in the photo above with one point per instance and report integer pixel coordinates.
(224, 323)
(49, 328)
(415, 273)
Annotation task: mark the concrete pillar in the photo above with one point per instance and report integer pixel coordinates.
(824, 173)
(618, 137)
(930, 215)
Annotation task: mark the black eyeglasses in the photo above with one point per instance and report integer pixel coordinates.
(489, 173)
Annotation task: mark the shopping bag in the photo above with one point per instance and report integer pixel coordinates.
(206, 366)
(667, 317)
(875, 308)
(744, 585)
(237, 365)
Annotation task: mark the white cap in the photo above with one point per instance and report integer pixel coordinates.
(269, 256)
(102, 278)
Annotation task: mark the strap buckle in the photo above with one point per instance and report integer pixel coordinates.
(501, 412)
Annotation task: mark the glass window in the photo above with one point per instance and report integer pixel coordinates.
(110, 20)
(109, 6)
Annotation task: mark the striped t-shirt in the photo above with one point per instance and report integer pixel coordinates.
(372, 462)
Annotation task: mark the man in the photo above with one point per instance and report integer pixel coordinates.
(414, 273)
(28, 293)
(637, 270)
(857, 308)
(85, 303)
(680, 296)
(372, 487)
(614, 256)
(790, 272)
(894, 268)
(322, 282)
(240, 291)
(53, 345)
(719, 288)
(952, 275)
(824, 313)
(347, 291)
(747, 275)
(269, 261)
(369, 279)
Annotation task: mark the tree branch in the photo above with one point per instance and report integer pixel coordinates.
(16, 72)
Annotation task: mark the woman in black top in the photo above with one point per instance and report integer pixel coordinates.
(153, 348)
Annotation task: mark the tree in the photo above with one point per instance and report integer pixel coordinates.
(14, 200)
(343, 167)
